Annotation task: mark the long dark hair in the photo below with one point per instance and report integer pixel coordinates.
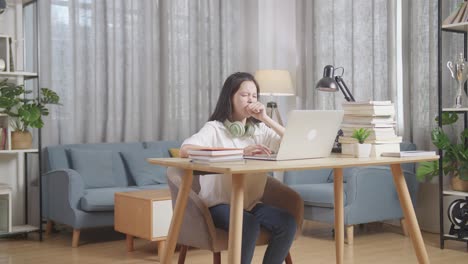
(223, 109)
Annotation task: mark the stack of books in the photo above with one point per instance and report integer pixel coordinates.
(460, 15)
(213, 155)
(376, 116)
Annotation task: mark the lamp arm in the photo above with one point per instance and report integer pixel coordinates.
(344, 89)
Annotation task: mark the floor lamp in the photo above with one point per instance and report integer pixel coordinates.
(274, 83)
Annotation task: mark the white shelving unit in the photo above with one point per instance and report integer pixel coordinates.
(25, 75)
(5, 209)
(13, 163)
(447, 191)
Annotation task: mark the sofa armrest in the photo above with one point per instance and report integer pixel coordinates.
(198, 229)
(65, 188)
(280, 195)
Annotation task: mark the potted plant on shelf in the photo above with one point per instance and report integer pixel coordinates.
(361, 149)
(455, 155)
(24, 112)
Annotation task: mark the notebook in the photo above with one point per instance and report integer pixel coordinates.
(309, 134)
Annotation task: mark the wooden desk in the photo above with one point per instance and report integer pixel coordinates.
(336, 162)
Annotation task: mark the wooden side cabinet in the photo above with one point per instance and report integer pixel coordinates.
(145, 214)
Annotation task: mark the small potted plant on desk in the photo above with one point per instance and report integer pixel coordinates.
(24, 112)
(361, 149)
(455, 155)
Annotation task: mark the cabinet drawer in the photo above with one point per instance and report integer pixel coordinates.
(161, 218)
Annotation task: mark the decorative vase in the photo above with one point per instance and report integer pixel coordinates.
(362, 150)
(21, 140)
(459, 184)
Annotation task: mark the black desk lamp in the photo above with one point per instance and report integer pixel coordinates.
(331, 82)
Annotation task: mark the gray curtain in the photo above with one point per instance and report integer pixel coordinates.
(420, 62)
(134, 70)
(421, 66)
(357, 35)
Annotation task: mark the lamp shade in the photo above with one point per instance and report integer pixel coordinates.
(327, 83)
(274, 82)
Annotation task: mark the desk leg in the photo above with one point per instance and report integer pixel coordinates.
(178, 216)
(339, 214)
(236, 219)
(410, 216)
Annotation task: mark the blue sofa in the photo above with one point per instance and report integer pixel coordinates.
(81, 179)
(369, 193)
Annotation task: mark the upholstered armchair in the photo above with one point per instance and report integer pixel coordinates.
(198, 229)
(369, 194)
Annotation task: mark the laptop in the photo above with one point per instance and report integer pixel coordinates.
(309, 134)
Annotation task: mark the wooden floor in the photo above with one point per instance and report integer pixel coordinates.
(375, 243)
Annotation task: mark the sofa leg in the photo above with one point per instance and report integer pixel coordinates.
(216, 257)
(49, 227)
(349, 234)
(404, 227)
(182, 254)
(288, 258)
(75, 238)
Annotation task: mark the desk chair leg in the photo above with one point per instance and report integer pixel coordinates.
(288, 259)
(177, 216)
(350, 234)
(182, 254)
(216, 257)
(75, 238)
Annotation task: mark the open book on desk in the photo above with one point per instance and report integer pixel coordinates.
(411, 153)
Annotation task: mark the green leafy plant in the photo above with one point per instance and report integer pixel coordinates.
(361, 134)
(25, 112)
(455, 158)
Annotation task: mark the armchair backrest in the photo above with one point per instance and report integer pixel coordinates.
(408, 167)
(306, 177)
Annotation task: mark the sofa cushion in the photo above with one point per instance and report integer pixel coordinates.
(175, 152)
(143, 172)
(320, 194)
(101, 199)
(95, 166)
(166, 145)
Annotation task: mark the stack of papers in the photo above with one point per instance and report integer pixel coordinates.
(412, 153)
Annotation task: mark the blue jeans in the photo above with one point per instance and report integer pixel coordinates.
(281, 225)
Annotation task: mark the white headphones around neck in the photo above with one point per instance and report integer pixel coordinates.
(238, 129)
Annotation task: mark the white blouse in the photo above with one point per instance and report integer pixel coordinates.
(216, 188)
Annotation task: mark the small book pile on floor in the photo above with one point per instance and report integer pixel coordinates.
(376, 116)
(213, 155)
